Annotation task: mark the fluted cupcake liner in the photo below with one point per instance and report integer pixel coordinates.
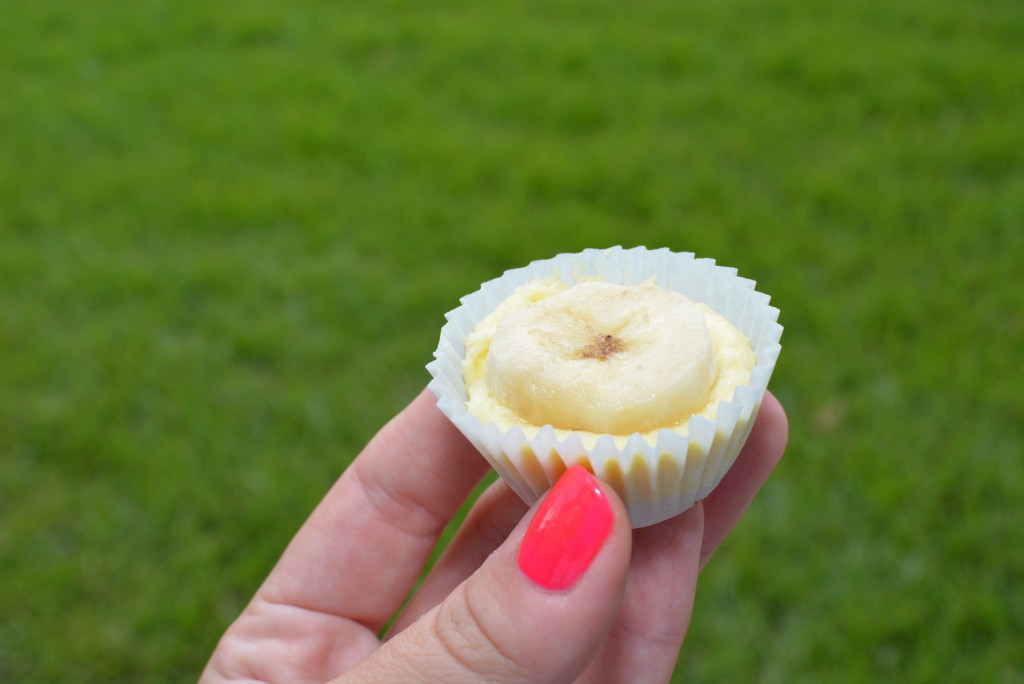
(658, 475)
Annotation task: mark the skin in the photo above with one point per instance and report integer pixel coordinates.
(476, 617)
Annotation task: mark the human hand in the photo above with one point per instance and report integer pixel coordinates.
(595, 602)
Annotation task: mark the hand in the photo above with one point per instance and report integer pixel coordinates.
(592, 603)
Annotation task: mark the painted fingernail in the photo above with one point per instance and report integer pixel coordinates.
(567, 532)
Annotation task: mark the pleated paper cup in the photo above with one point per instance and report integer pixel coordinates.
(658, 475)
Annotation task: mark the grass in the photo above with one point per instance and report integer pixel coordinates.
(228, 235)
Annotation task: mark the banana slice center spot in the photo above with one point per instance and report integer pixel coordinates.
(602, 348)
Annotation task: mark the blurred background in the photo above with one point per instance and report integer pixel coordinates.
(229, 233)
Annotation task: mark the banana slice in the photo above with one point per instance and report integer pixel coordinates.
(604, 358)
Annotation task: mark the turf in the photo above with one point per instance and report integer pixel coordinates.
(229, 232)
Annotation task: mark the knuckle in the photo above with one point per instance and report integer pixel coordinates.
(477, 639)
(407, 514)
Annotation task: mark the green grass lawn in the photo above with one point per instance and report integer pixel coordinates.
(229, 233)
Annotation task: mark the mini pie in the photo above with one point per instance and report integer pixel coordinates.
(647, 367)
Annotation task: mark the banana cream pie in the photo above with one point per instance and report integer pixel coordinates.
(644, 366)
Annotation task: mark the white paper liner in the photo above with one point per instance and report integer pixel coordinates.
(658, 478)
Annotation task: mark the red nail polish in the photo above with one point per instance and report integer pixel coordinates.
(567, 532)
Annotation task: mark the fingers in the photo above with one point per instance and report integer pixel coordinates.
(644, 640)
(762, 452)
(378, 524)
(536, 610)
(661, 552)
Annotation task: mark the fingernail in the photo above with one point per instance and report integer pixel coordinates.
(567, 532)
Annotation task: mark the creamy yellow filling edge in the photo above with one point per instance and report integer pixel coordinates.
(735, 362)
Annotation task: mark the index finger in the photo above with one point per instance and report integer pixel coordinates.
(379, 522)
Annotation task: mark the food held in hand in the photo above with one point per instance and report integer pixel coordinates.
(645, 367)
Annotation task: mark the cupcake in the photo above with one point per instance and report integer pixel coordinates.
(647, 367)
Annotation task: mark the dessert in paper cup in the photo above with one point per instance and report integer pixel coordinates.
(646, 367)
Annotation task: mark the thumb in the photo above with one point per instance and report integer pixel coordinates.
(537, 609)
